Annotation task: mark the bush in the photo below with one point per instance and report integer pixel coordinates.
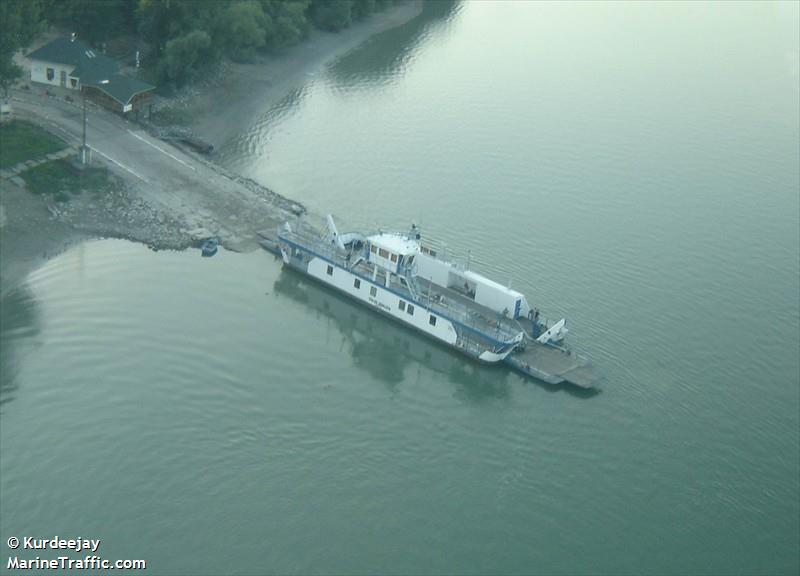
(243, 29)
(331, 15)
(184, 55)
(20, 141)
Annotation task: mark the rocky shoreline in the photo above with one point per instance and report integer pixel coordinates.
(164, 209)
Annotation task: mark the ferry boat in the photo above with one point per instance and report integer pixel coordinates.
(398, 275)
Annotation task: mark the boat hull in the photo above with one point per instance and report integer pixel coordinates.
(385, 301)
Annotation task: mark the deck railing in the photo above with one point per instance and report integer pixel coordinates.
(498, 328)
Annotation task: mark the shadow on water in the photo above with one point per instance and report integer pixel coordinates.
(19, 324)
(388, 351)
(388, 53)
(392, 353)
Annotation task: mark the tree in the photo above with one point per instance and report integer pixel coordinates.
(95, 22)
(290, 24)
(243, 28)
(183, 55)
(363, 8)
(20, 22)
(9, 73)
(331, 14)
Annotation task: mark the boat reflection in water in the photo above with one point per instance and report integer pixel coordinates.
(393, 353)
(20, 324)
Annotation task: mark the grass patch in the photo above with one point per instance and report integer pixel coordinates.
(21, 141)
(59, 178)
(169, 116)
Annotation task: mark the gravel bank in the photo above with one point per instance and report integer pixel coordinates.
(168, 197)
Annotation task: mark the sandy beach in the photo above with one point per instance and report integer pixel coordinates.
(168, 197)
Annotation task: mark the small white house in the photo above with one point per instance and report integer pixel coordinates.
(71, 64)
(58, 62)
(55, 74)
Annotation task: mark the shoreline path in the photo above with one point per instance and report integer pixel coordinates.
(204, 198)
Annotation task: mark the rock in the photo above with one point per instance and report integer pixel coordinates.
(199, 233)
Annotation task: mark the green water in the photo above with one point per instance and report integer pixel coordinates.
(633, 167)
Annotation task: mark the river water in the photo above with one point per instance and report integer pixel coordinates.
(633, 167)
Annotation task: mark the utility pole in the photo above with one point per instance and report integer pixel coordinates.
(83, 148)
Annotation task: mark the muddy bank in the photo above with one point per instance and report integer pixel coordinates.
(35, 228)
(163, 212)
(28, 235)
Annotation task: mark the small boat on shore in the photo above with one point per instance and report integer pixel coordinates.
(209, 247)
(398, 276)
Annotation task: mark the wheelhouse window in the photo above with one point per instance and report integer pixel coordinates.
(373, 291)
(383, 253)
(401, 305)
(357, 283)
(373, 249)
(394, 257)
(330, 270)
(410, 309)
(432, 320)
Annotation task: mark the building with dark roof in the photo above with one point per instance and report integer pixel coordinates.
(69, 63)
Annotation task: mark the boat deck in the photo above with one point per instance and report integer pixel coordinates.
(553, 365)
(459, 306)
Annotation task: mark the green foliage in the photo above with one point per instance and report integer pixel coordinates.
(21, 21)
(21, 141)
(94, 21)
(243, 28)
(160, 20)
(184, 55)
(9, 73)
(172, 116)
(289, 22)
(59, 177)
(331, 15)
(363, 8)
(179, 37)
